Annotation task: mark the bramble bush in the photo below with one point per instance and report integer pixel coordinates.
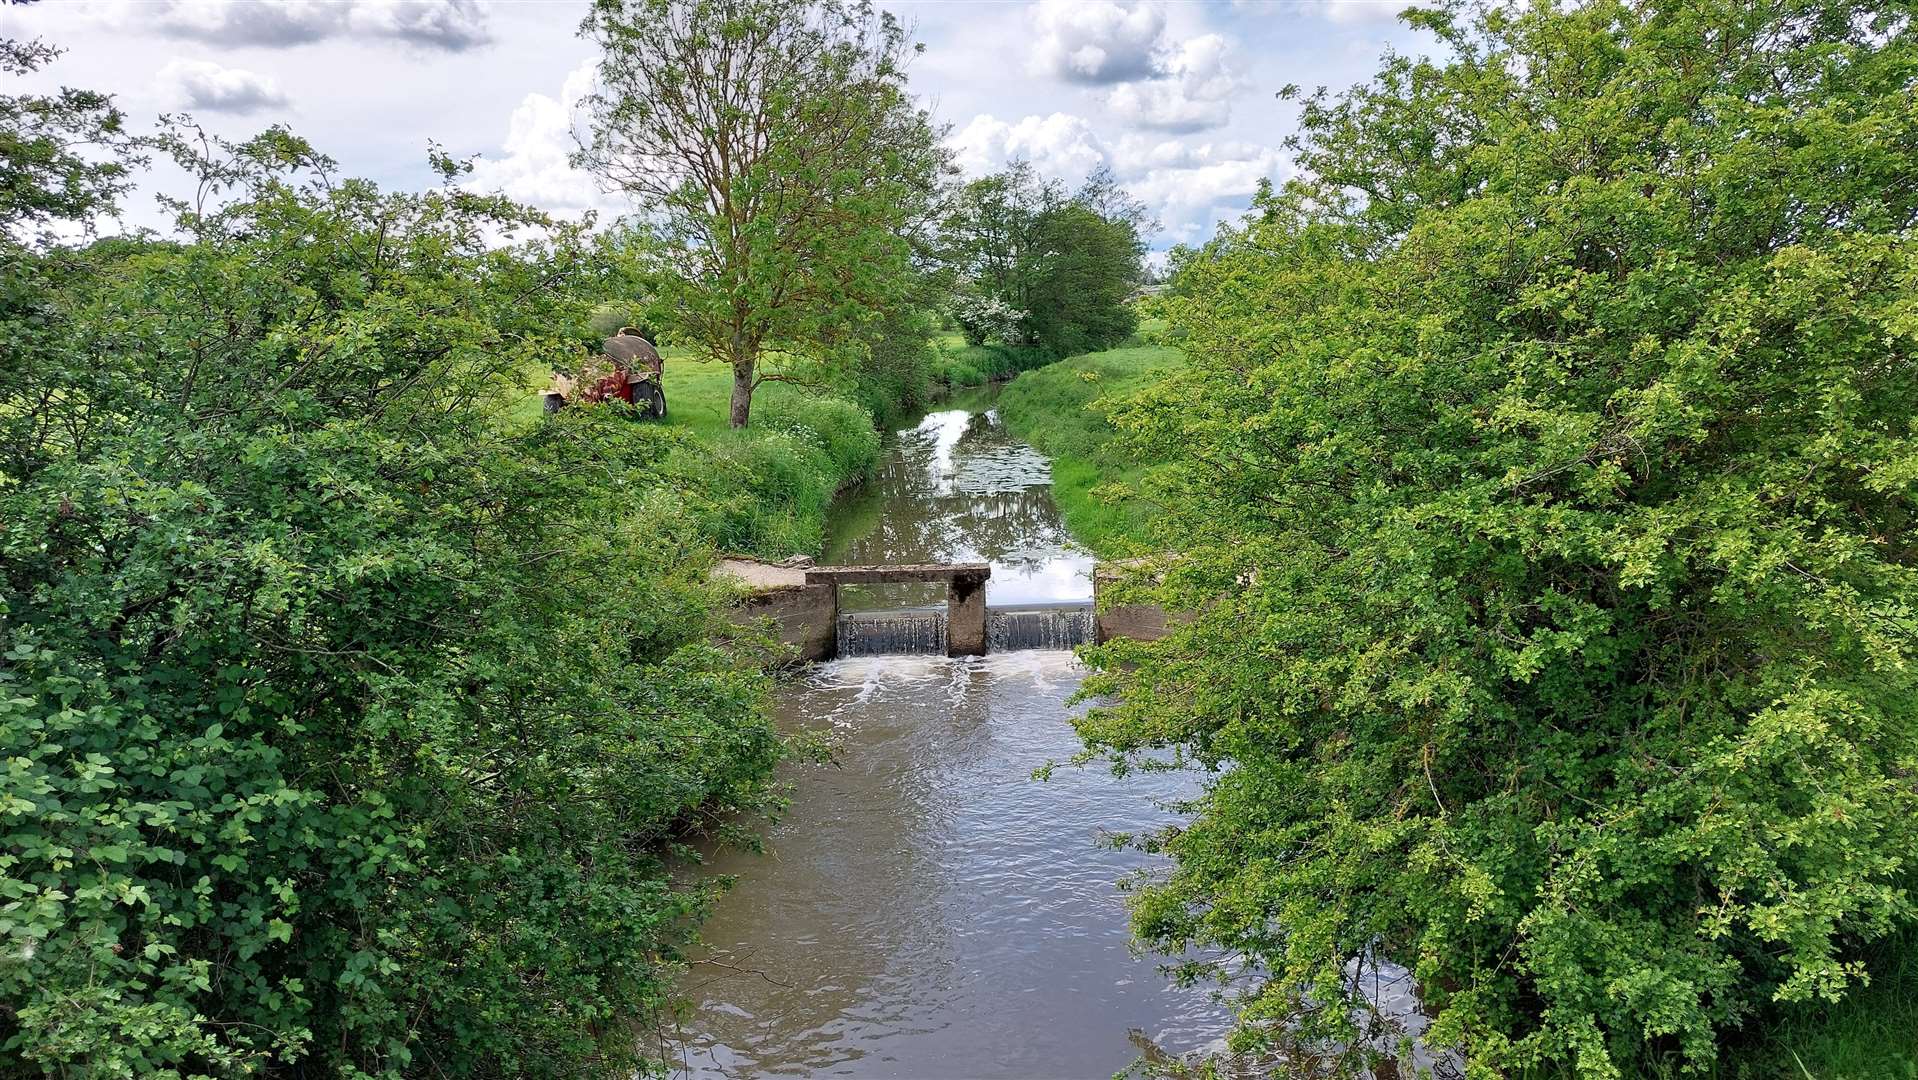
(1548, 516)
(345, 729)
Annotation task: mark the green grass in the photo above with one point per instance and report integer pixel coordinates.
(1057, 409)
(763, 490)
(957, 364)
(1871, 1035)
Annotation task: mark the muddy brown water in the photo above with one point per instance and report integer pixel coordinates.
(926, 908)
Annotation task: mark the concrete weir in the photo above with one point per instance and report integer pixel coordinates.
(803, 616)
(965, 594)
(803, 601)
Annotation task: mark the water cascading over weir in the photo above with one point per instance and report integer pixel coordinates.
(803, 604)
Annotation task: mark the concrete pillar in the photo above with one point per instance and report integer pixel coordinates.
(966, 617)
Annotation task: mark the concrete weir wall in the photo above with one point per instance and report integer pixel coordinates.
(965, 594)
(802, 600)
(803, 603)
(804, 616)
(966, 617)
(1135, 622)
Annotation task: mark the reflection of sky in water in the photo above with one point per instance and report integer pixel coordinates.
(956, 487)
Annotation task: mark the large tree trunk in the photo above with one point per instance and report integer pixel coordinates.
(743, 371)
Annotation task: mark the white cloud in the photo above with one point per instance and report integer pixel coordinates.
(1096, 42)
(1157, 82)
(1358, 11)
(448, 25)
(1060, 145)
(1189, 187)
(452, 25)
(1192, 187)
(534, 167)
(229, 22)
(1194, 93)
(206, 86)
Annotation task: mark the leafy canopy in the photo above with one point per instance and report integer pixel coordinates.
(779, 167)
(1548, 520)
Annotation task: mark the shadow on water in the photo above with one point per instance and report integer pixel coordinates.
(926, 908)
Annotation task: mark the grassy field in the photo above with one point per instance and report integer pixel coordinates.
(1057, 409)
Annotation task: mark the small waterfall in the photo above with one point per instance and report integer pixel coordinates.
(872, 633)
(1050, 627)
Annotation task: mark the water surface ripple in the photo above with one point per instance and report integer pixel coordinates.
(927, 908)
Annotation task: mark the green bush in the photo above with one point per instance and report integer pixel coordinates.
(840, 431)
(347, 731)
(976, 365)
(891, 372)
(1547, 512)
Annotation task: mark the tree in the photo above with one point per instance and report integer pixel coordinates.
(46, 176)
(990, 233)
(1103, 195)
(778, 163)
(1067, 265)
(1080, 285)
(987, 318)
(1546, 513)
(46, 184)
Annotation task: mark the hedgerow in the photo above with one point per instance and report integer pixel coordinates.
(346, 729)
(1546, 509)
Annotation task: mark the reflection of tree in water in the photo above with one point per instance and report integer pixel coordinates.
(983, 428)
(1013, 529)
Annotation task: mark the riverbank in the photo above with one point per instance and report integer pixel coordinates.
(1061, 409)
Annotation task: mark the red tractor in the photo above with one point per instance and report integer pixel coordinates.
(628, 368)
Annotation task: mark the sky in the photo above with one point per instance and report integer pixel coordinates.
(1177, 97)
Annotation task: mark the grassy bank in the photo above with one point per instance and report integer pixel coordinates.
(1058, 409)
(957, 364)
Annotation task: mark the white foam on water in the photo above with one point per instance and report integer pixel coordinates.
(867, 675)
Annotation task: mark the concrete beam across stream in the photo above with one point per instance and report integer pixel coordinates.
(871, 575)
(965, 594)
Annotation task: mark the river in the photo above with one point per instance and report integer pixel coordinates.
(926, 908)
